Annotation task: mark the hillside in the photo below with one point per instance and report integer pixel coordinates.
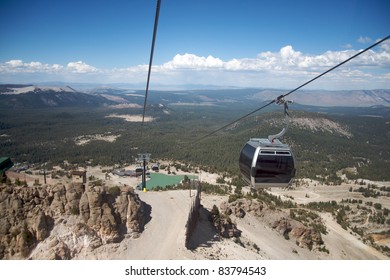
(346, 98)
(351, 98)
(333, 151)
(17, 96)
(32, 96)
(350, 141)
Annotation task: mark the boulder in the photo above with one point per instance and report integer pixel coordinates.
(283, 226)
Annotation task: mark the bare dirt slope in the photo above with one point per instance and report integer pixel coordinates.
(340, 243)
(163, 237)
(345, 245)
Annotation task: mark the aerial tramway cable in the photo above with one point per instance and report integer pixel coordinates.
(281, 97)
(151, 58)
(144, 158)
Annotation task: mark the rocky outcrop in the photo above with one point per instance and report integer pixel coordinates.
(305, 236)
(283, 226)
(225, 227)
(241, 206)
(135, 217)
(29, 214)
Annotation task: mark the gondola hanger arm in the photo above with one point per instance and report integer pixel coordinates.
(281, 101)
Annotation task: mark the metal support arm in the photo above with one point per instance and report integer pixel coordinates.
(281, 101)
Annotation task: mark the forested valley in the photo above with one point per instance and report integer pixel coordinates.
(325, 144)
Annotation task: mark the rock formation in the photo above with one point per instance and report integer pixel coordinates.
(223, 224)
(305, 236)
(68, 218)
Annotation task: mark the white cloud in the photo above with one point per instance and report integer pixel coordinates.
(364, 40)
(287, 59)
(285, 68)
(14, 63)
(81, 67)
(385, 46)
(192, 61)
(18, 66)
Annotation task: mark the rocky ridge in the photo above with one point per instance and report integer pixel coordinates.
(61, 221)
(304, 236)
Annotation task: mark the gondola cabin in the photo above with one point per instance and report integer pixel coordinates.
(139, 170)
(266, 164)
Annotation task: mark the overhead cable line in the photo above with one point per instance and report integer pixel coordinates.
(279, 98)
(151, 58)
(338, 65)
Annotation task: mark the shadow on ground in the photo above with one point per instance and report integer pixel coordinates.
(205, 234)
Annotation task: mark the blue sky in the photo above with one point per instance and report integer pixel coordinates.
(243, 43)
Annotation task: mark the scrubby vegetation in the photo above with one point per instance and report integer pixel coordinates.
(52, 135)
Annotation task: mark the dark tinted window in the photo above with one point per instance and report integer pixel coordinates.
(273, 168)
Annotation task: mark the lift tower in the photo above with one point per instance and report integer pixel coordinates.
(144, 159)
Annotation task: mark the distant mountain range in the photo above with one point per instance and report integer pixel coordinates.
(347, 98)
(32, 96)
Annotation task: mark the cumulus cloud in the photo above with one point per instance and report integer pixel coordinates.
(18, 66)
(286, 59)
(192, 61)
(286, 67)
(81, 67)
(14, 63)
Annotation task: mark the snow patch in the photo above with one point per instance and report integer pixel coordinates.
(31, 89)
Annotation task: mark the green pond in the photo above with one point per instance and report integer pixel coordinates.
(163, 180)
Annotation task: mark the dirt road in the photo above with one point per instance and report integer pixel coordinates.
(164, 234)
(344, 245)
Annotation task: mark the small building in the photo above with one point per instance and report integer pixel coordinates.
(119, 172)
(155, 167)
(79, 176)
(124, 172)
